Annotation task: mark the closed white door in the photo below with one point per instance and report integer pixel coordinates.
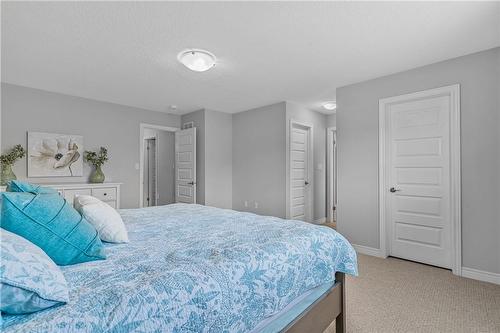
(300, 172)
(418, 158)
(185, 166)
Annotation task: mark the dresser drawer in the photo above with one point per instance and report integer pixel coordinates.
(104, 193)
(69, 195)
(112, 204)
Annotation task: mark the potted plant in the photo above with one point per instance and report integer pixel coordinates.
(97, 159)
(7, 160)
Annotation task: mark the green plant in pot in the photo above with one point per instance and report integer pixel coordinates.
(97, 159)
(7, 160)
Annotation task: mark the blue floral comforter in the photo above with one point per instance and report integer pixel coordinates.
(191, 268)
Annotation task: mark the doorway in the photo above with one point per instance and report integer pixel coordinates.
(419, 137)
(301, 171)
(331, 177)
(156, 165)
(150, 184)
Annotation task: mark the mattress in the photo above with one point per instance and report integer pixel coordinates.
(192, 268)
(279, 321)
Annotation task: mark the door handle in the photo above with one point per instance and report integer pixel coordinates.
(306, 182)
(191, 183)
(392, 190)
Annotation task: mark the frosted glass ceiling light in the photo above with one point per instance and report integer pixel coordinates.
(197, 60)
(330, 106)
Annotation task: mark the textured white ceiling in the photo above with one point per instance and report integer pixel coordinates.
(125, 52)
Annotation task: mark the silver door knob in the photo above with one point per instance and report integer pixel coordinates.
(392, 190)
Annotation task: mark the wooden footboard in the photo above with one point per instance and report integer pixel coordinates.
(319, 315)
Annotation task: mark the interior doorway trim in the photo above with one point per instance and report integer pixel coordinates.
(142, 127)
(310, 173)
(453, 91)
(332, 173)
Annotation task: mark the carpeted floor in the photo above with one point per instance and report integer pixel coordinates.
(392, 295)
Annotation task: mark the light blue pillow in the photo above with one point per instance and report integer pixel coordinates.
(49, 222)
(29, 280)
(18, 186)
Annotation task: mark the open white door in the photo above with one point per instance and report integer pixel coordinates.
(301, 173)
(185, 166)
(331, 174)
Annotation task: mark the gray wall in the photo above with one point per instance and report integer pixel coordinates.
(357, 128)
(259, 149)
(218, 159)
(331, 120)
(101, 124)
(318, 121)
(198, 118)
(166, 167)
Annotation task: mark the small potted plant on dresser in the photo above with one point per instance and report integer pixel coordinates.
(7, 160)
(97, 159)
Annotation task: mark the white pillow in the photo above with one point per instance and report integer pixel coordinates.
(103, 217)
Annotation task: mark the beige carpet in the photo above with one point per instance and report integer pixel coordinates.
(392, 295)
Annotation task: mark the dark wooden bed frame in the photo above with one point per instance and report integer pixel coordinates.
(319, 315)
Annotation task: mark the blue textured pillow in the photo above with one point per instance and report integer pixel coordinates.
(49, 222)
(29, 280)
(18, 186)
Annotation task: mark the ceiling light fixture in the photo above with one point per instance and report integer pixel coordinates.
(197, 60)
(330, 106)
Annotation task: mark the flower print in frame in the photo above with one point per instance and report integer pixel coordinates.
(54, 155)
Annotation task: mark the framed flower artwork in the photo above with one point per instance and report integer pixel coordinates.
(55, 155)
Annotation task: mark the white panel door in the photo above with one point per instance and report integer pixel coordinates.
(418, 146)
(185, 166)
(300, 169)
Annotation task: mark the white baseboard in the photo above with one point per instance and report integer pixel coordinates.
(476, 274)
(320, 220)
(470, 273)
(369, 251)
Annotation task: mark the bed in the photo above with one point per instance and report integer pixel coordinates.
(192, 268)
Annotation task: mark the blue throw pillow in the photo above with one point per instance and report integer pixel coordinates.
(18, 186)
(49, 222)
(29, 280)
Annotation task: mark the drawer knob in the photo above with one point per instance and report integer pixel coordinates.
(105, 194)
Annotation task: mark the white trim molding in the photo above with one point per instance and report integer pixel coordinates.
(453, 91)
(369, 251)
(477, 274)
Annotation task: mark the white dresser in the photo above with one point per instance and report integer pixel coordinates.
(107, 192)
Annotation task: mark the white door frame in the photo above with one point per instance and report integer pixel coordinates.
(143, 126)
(453, 92)
(310, 170)
(331, 134)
